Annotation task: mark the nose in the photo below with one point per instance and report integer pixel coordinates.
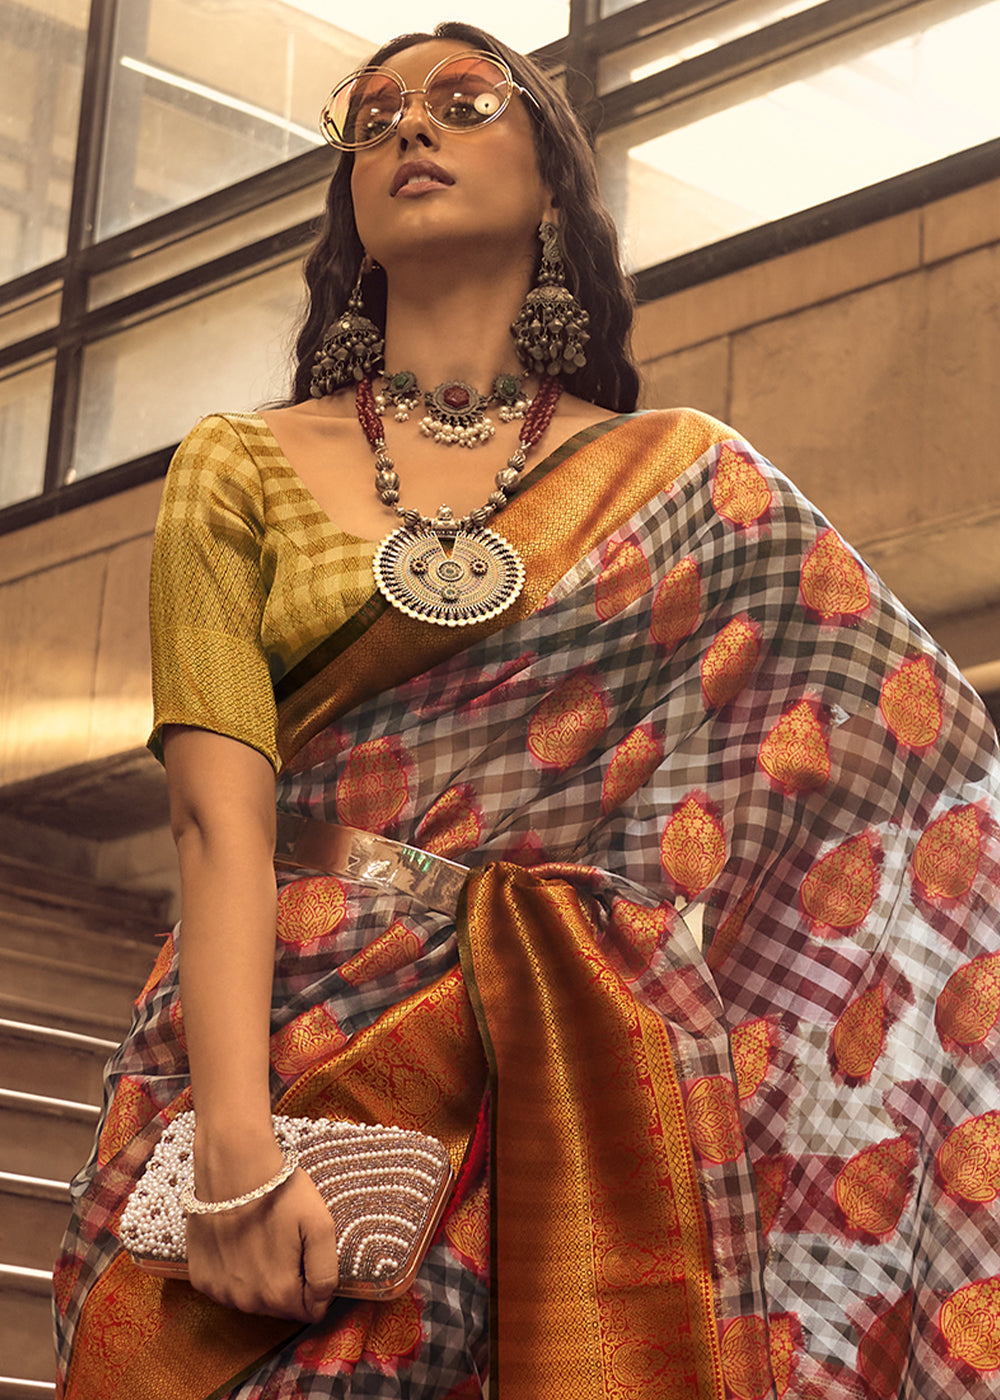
(415, 128)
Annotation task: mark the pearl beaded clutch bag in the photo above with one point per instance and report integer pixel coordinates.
(384, 1187)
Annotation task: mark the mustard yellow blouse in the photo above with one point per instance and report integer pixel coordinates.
(248, 576)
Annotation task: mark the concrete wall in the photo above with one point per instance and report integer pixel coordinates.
(74, 684)
(866, 367)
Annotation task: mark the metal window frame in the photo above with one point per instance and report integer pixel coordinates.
(576, 57)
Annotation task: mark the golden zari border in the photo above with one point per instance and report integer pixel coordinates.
(600, 1258)
(420, 1065)
(564, 511)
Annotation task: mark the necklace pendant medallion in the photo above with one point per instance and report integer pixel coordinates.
(478, 578)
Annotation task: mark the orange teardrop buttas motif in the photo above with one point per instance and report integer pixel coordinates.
(794, 752)
(786, 1338)
(770, 1174)
(727, 935)
(859, 1035)
(885, 1347)
(970, 1322)
(677, 605)
(745, 1358)
(833, 583)
(372, 790)
(131, 1109)
(729, 662)
(969, 1159)
(308, 1038)
(751, 1047)
(624, 578)
(453, 824)
(911, 705)
(714, 1119)
(840, 888)
(568, 722)
(969, 1005)
(693, 845)
(871, 1188)
(396, 948)
(739, 492)
(635, 759)
(310, 909)
(947, 855)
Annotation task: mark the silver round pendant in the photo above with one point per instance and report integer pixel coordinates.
(477, 579)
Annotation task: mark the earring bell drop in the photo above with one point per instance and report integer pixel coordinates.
(352, 348)
(551, 328)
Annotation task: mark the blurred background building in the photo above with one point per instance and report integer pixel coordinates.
(809, 197)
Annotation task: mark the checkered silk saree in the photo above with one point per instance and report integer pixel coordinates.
(760, 1164)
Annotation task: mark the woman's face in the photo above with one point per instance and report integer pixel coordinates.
(426, 190)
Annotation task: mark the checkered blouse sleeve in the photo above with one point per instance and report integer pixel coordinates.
(207, 595)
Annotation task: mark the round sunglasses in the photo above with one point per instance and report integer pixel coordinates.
(461, 93)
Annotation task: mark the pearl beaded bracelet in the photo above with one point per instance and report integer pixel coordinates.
(191, 1205)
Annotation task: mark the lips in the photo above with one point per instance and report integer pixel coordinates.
(423, 170)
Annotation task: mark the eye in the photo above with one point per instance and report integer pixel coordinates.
(464, 104)
(460, 110)
(371, 123)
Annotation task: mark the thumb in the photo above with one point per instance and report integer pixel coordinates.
(320, 1269)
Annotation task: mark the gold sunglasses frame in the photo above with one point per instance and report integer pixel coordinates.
(326, 124)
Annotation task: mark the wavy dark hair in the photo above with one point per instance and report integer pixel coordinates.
(589, 238)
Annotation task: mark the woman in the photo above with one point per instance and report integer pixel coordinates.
(663, 686)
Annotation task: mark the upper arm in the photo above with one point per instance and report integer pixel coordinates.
(221, 790)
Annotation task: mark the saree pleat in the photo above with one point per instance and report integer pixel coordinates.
(601, 1252)
(729, 960)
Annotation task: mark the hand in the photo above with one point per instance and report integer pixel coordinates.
(277, 1255)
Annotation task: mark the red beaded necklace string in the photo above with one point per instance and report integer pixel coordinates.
(536, 420)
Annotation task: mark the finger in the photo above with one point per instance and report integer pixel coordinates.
(320, 1268)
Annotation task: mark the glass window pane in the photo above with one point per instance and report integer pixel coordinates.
(523, 24)
(839, 128)
(180, 254)
(42, 45)
(145, 387)
(25, 399)
(713, 27)
(29, 316)
(205, 95)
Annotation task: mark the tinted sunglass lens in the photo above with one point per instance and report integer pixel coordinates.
(362, 109)
(467, 93)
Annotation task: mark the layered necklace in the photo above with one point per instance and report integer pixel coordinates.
(456, 412)
(480, 573)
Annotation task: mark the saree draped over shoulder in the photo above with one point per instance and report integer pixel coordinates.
(712, 1039)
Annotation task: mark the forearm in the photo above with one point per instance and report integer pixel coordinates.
(222, 814)
(226, 963)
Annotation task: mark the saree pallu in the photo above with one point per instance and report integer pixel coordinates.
(759, 1162)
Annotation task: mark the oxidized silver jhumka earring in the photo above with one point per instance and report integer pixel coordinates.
(482, 573)
(551, 328)
(352, 347)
